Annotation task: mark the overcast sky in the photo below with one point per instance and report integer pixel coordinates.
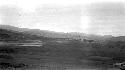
(101, 17)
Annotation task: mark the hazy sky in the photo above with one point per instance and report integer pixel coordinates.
(102, 17)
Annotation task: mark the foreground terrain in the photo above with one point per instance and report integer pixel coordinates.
(38, 50)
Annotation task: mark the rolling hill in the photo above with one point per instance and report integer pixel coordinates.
(68, 50)
(52, 34)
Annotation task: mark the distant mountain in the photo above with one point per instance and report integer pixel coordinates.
(119, 38)
(7, 34)
(52, 34)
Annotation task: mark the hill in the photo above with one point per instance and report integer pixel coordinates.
(52, 34)
(65, 50)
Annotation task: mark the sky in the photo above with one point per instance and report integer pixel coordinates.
(101, 17)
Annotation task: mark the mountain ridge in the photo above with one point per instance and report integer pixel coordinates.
(52, 34)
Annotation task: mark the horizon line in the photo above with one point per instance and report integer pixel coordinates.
(58, 31)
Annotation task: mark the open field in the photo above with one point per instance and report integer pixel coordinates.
(51, 57)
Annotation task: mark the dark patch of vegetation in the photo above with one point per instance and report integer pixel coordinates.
(6, 57)
(5, 65)
(4, 36)
(7, 50)
(11, 65)
(19, 65)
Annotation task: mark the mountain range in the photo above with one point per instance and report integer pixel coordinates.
(37, 33)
